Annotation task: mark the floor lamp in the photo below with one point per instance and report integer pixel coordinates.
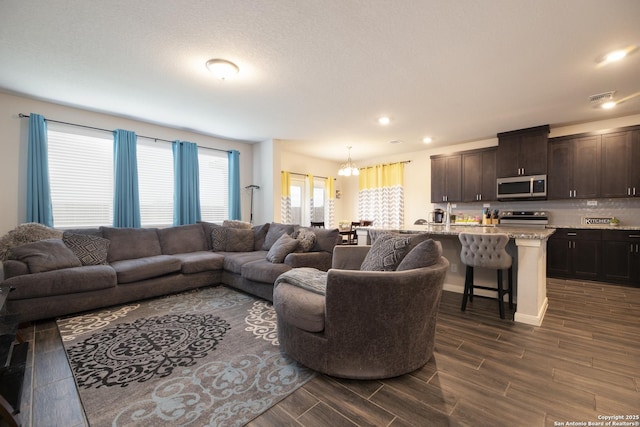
(251, 188)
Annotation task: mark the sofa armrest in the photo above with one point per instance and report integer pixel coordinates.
(349, 257)
(14, 268)
(320, 260)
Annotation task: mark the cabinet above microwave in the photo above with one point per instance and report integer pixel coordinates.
(522, 152)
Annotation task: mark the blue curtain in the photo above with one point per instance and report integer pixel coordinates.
(38, 190)
(186, 192)
(126, 201)
(234, 185)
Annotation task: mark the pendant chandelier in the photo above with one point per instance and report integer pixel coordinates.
(349, 168)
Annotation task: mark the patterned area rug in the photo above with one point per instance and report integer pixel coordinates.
(208, 357)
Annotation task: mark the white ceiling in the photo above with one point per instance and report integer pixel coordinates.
(319, 73)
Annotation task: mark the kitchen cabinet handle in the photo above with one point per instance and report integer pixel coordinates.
(572, 234)
(634, 191)
(628, 191)
(634, 236)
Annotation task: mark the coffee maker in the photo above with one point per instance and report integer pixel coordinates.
(437, 216)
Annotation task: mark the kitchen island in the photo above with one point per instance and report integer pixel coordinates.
(527, 245)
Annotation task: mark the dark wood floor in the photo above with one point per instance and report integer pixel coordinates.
(582, 363)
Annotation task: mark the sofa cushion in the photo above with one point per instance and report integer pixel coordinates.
(259, 234)
(386, 253)
(263, 271)
(233, 261)
(275, 231)
(45, 255)
(425, 254)
(218, 237)
(239, 240)
(281, 248)
(299, 307)
(326, 239)
(90, 249)
(134, 270)
(131, 243)
(306, 239)
(182, 239)
(196, 262)
(62, 282)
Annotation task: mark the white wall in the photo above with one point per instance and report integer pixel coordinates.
(14, 137)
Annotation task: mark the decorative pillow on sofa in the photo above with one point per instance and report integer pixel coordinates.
(386, 253)
(218, 237)
(423, 255)
(306, 239)
(239, 240)
(275, 231)
(232, 223)
(281, 248)
(45, 255)
(259, 234)
(90, 249)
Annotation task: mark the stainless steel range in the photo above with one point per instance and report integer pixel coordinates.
(524, 218)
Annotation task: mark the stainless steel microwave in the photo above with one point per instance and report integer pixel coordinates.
(522, 187)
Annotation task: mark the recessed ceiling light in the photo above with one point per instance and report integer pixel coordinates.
(222, 69)
(608, 105)
(427, 139)
(615, 55)
(384, 120)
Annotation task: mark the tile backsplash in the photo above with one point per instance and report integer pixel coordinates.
(563, 212)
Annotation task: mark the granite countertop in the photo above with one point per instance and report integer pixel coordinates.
(597, 227)
(514, 232)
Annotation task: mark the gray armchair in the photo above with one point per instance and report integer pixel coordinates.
(370, 324)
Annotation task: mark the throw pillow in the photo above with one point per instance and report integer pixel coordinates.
(423, 255)
(259, 234)
(232, 223)
(218, 237)
(386, 253)
(275, 231)
(90, 249)
(45, 255)
(306, 239)
(281, 248)
(239, 240)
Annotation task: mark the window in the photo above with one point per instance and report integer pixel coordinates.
(81, 176)
(298, 200)
(318, 212)
(214, 185)
(155, 182)
(81, 179)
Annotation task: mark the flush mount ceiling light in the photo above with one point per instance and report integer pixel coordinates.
(427, 139)
(384, 120)
(222, 69)
(615, 55)
(349, 168)
(605, 100)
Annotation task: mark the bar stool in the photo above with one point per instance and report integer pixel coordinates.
(487, 251)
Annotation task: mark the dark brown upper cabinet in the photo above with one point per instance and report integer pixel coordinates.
(479, 175)
(446, 178)
(573, 167)
(522, 152)
(620, 175)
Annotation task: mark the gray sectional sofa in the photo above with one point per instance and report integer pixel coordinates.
(89, 269)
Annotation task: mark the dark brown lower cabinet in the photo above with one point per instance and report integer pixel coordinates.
(575, 254)
(621, 257)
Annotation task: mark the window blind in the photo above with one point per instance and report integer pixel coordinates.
(81, 176)
(214, 185)
(155, 183)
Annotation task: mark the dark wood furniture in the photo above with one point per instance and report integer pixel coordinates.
(620, 174)
(573, 167)
(446, 178)
(479, 175)
(522, 152)
(621, 256)
(574, 253)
